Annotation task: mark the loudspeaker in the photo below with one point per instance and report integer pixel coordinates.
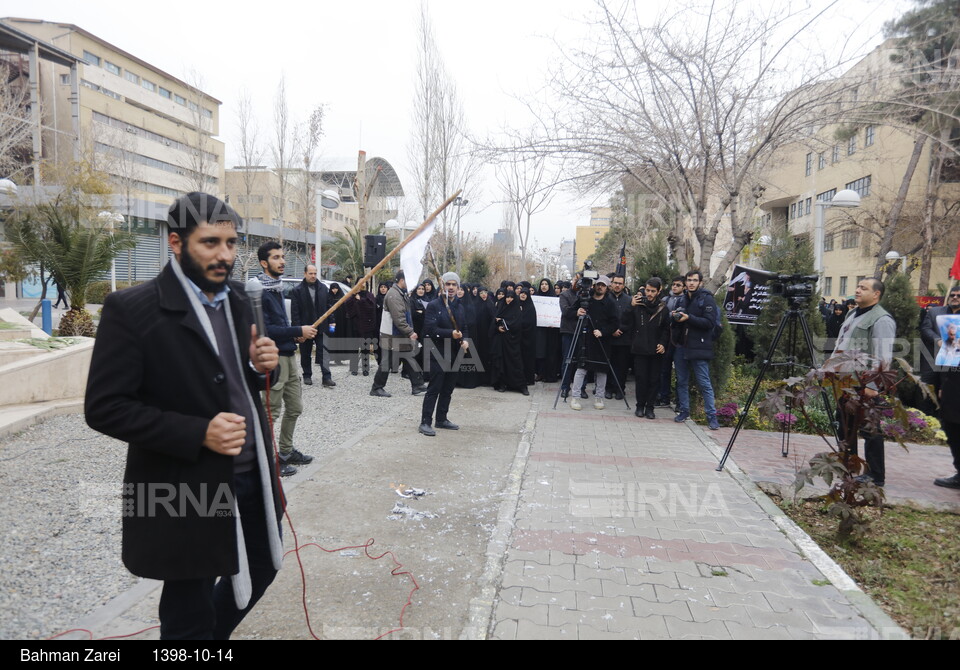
(375, 248)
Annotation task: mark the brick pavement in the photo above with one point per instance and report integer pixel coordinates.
(624, 530)
(910, 474)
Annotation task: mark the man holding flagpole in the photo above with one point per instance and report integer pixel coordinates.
(445, 328)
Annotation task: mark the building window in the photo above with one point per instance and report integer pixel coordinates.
(149, 85)
(843, 286)
(793, 211)
(808, 168)
(179, 99)
(835, 156)
(851, 239)
(821, 161)
(869, 136)
(111, 68)
(65, 79)
(828, 242)
(207, 113)
(164, 93)
(852, 145)
(91, 59)
(194, 107)
(129, 76)
(828, 285)
(861, 186)
(826, 196)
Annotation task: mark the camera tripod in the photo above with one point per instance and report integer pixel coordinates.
(788, 323)
(580, 339)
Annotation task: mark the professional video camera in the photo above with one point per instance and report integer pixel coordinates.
(585, 286)
(797, 289)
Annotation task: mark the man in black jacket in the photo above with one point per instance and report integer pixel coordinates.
(693, 336)
(176, 373)
(646, 326)
(619, 342)
(308, 302)
(445, 328)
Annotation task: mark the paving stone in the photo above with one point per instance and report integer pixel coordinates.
(614, 590)
(582, 572)
(711, 630)
(532, 597)
(722, 598)
(710, 612)
(505, 630)
(510, 595)
(669, 579)
(588, 603)
(530, 631)
(562, 616)
(542, 556)
(668, 595)
(652, 628)
(765, 619)
(676, 567)
(616, 621)
(537, 614)
(645, 608)
(739, 631)
(560, 585)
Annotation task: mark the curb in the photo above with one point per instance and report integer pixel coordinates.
(480, 618)
(885, 627)
(36, 414)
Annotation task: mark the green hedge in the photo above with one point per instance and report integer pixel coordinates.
(98, 291)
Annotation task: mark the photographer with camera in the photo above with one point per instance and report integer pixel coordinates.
(568, 328)
(692, 334)
(600, 322)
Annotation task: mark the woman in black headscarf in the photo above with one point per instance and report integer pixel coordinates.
(485, 307)
(469, 377)
(418, 307)
(337, 341)
(506, 358)
(429, 290)
(548, 341)
(528, 340)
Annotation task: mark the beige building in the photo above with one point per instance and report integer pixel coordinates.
(589, 236)
(870, 160)
(153, 134)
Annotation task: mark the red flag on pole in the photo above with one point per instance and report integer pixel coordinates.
(955, 270)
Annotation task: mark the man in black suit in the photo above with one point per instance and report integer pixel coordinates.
(176, 372)
(308, 302)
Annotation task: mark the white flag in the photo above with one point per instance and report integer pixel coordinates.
(411, 256)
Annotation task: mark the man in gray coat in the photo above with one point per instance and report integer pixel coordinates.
(398, 341)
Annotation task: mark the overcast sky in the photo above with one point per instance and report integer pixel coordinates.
(358, 58)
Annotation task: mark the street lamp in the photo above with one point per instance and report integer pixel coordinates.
(895, 256)
(325, 200)
(112, 219)
(845, 198)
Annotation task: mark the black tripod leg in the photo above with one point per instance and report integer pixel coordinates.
(753, 391)
(569, 359)
(815, 363)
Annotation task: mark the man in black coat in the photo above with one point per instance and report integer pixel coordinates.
(444, 325)
(308, 302)
(693, 326)
(176, 373)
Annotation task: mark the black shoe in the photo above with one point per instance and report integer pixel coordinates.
(867, 479)
(564, 393)
(380, 393)
(650, 414)
(354, 373)
(500, 389)
(618, 396)
(417, 390)
(329, 383)
(287, 470)
(447, 425)
(638, 413)
(949, 482)
(524, 390)
(425, 429)
(296, 457)
(366, 373)
(607, 395)
(308, 381)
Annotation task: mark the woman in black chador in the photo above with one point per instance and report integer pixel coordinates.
(338, 342)
(548, 342)
(528, 340)
(506, 358)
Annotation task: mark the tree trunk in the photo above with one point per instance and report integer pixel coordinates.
(886, 243)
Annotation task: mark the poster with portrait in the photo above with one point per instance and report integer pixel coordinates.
(948, 327)
(747, 293)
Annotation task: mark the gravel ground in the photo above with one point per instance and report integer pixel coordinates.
(60, 516)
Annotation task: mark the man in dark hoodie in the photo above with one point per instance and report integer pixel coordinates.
(646, 326)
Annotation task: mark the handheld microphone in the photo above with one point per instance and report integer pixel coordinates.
(254, 291)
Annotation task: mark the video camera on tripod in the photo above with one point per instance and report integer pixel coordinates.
(796, 289)
(585, 286)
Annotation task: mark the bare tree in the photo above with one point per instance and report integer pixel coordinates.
(690, 106)
(200, 163)
(251, 159)
(421, 148)
(281, 151)
(15, 127)
(528, 189)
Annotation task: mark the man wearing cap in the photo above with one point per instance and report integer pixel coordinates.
(445, 328)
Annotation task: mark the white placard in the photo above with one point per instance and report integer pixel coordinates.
(548, 311)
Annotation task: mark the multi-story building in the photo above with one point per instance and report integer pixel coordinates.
(869, 159)
(590, 235)
(152, 134)
(568, 254)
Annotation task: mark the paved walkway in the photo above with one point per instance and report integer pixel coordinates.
(625, 530)
(910, 474)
